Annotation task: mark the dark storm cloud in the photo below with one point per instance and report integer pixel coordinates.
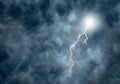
(35, 36)
(2, 7)
(107, 8)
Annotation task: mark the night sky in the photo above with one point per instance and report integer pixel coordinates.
(35, 37)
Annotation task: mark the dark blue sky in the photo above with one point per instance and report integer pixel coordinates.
(35, 36)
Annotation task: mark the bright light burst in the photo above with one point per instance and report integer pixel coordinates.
(89, 22)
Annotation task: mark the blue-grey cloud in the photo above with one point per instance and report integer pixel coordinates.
(35, 36)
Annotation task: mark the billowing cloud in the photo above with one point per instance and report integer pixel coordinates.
(35, 36)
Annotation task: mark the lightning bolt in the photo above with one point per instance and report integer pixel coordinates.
(72, 47)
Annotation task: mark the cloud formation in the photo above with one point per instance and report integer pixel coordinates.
(35, 36)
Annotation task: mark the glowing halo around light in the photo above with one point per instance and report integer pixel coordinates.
(91, 21)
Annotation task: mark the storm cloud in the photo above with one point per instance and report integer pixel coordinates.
(35, 36)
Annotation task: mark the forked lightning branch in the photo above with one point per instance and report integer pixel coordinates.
(90, 21)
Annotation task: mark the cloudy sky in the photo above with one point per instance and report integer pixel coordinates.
(36, 36)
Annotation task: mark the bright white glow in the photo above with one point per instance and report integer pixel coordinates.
(91, 21)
